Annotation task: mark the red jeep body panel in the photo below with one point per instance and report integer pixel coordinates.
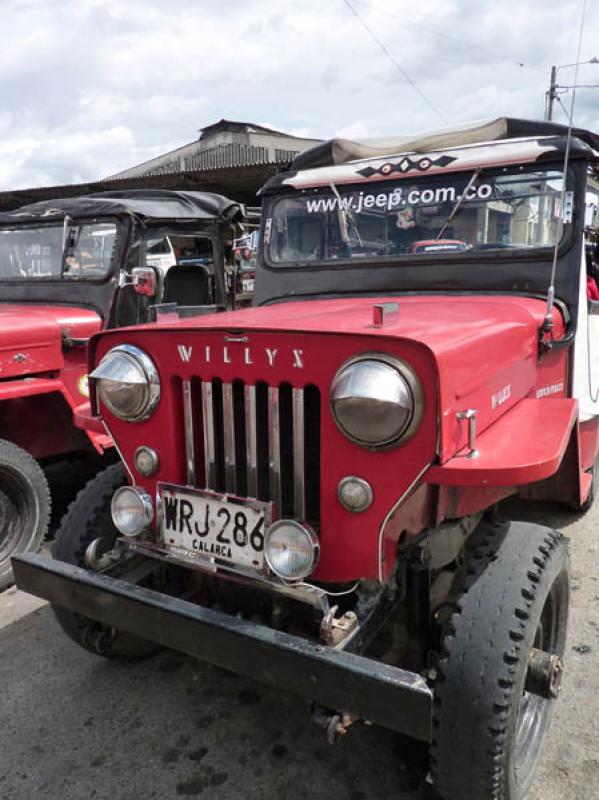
(439, 337)
(41, 378)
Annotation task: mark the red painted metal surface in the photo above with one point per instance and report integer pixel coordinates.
(34, 334)
(526, 445)
(484, 347)
(29, 387)
(41, 378)
(84, 419)
(349, 542)
(589, 443)
(469, 352)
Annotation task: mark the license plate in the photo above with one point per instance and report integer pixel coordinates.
(202, 525)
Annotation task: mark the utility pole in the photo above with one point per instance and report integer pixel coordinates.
(551, 94)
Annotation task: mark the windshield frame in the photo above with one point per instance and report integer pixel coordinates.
(395, 260)
(66, 278)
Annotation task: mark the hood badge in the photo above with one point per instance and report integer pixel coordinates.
(247, 356)
(19, 358)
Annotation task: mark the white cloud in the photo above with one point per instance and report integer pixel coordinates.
(26, 159)
(90, 87)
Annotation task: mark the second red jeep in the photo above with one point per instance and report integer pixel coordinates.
(69, 268)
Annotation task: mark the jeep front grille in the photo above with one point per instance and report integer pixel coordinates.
(255, 441)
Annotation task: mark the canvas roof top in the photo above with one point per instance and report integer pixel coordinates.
(145, 204)
(341, 150)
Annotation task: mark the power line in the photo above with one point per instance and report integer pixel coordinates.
(447, 36)
(564, 109)
(394, 61)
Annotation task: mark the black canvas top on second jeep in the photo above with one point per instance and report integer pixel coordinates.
(69, 268)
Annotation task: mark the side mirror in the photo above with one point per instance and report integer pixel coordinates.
(143, 280)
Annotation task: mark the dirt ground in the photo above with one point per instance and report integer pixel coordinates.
(74, 726)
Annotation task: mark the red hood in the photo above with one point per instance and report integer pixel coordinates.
(485, 347)
(428, 319)
(31, 336)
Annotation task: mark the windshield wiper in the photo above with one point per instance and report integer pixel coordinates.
(347, 213)
(459, 202)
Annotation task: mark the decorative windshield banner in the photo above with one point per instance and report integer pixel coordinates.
(396, 198)
(407, 164)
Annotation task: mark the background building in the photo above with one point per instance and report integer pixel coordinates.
(231, 158)
(225, 144)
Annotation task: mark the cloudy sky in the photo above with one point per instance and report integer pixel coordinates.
(89, 87)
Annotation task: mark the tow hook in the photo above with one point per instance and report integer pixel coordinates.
(335, 630)
(97, 560)
(332, 723)
(545, 673)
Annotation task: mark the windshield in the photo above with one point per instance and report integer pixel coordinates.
(514, 207)
(76, 251)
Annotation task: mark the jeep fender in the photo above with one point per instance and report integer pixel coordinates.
(37, 415)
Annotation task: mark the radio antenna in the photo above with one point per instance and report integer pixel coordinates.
(548, 321)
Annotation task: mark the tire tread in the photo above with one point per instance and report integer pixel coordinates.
(496, 594)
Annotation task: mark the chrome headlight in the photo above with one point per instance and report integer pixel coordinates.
(376, 400)
(127, 383)
(291, 549)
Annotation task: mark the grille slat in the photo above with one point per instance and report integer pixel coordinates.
(299, 469)
(257, 441)
(251, 440)
(208, 430)
(190, 456)
(229, 439)
(274, 446)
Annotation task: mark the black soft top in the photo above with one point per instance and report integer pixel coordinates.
(341, 151)
(147, 205)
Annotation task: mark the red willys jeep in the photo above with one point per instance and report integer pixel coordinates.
(67, 269)
(305, 484)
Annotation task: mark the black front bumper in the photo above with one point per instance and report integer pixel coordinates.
(369, 689)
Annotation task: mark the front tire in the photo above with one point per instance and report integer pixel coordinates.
(24, 506)
(513, 596)
(87, 519)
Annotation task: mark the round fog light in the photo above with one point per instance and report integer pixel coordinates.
(291, 550)
(132, 510)
(146, 461)
(355, 494)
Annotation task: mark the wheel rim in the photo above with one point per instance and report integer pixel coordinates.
(533, 710)
(17, 522)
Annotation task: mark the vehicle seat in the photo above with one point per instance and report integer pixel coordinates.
(187, 286)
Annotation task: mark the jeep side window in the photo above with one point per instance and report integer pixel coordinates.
(158, 246)
(90, 249)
